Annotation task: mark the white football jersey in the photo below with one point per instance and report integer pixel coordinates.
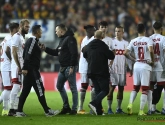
(5, 61)
(109, 42)
(159, 46)
(19, 42)
(119, 63)
(83, 64)
(140, 46)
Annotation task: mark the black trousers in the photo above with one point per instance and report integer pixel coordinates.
(33, 78)
(101, 86)
(156, 95)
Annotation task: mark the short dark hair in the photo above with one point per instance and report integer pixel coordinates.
(13, 25)
(35, 28)
(103, 23)
(157, 25)
(140, 28)
(88, 26)
(62, 26)
(120, 27)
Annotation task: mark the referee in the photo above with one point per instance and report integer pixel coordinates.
(30, 70)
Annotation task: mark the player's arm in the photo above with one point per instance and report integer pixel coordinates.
(8, 52)
(0, 49)
(129, 56)
(15, 56)
(112, 47)
(151, 50)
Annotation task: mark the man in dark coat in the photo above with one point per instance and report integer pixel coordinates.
(97, 54)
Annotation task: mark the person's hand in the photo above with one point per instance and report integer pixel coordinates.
(24, 72)
(131, 73)
(71, 70)
(19, 71)
(42, 46)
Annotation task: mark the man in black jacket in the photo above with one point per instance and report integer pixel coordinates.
(97, 54)
(68, 58)
(30, 70)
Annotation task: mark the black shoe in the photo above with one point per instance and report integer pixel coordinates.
(73, 112)
(11, 112)
(65, 111)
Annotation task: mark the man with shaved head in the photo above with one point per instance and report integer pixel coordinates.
(97, 54)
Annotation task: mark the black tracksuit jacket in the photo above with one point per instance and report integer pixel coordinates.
(31, 54)
(66, 51)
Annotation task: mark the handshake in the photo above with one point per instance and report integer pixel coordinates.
(42, 46)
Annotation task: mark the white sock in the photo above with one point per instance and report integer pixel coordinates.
(143, 100)
(132, 96)
(164, 100)
(109, 103)
(153, 107)
(82, 98)
(149, 98)
(93, 95)
(6, 97)
(1, 97)
(119, 101)
(16, 102)
(14, 92)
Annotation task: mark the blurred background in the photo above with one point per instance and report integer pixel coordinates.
(77, 13)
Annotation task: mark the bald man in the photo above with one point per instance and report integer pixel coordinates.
(97, 54)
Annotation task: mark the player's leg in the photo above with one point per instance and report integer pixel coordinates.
(114, 80)
(153, 79)
(136, 88)
(122, 83)
(93, 95)
(156, 97)
(110, 98)
(145, 78)
(84, 86)
(163, 109)
(27, 84)
(161, 81)
(1, 97)
(6, 75)
(16, 80)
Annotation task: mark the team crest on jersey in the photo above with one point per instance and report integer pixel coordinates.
(115, 45)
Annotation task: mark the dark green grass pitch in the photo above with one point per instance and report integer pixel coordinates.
(36, 115)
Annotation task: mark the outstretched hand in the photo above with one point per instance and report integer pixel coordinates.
(42, 46)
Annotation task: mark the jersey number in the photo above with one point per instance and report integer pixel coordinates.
(156, 49)
(141, 53)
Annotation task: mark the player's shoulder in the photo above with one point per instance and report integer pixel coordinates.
(7, 37)
(107, 38)
(84, 39)
(125, 41)
(17, 35)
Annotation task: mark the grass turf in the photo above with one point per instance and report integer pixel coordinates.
(36, 114)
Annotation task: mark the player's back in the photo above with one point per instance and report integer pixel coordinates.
(158, 45)
(83, 65)
(107, 40)
(5, 61)
(140, 47)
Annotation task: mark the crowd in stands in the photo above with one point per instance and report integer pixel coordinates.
(77, 13)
